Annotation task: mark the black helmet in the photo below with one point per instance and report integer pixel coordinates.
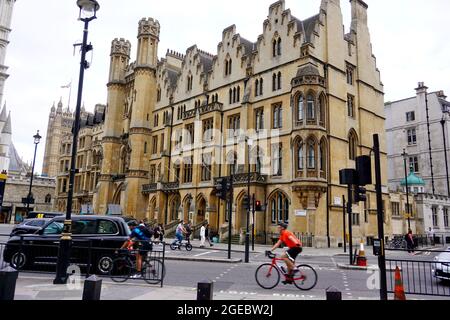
(133, 223)
(283, 225)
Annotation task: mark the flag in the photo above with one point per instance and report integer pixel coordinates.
(67, 86)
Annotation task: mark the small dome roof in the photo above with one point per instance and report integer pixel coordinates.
(413, 180)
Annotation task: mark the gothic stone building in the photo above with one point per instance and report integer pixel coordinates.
(88, 161)
(309, 97)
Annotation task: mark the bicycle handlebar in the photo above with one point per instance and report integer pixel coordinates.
(270, 254)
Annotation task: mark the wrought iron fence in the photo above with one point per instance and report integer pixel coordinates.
(87, 259)
(420, 277)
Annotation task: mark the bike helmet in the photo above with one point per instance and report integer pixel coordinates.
(283, 225)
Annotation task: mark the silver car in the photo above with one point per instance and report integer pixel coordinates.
(442, 266)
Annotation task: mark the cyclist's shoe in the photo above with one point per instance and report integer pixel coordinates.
(136, 276)
(288, 281)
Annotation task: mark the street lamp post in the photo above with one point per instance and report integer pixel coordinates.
(247, 231)
(443, 121)
(88, 12)
(405, 154)
(37, 139)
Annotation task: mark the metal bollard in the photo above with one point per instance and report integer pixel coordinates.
(333, 294)
(92, 289)
(205, 290)
(8, 279)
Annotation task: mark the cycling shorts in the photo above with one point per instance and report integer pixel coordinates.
(292, 253)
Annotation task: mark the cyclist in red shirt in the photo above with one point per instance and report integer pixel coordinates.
(295, 248)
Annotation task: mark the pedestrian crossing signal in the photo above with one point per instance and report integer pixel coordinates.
(258, 206)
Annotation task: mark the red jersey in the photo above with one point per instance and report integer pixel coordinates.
(289, 239)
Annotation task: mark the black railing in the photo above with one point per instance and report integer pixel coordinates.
(85, 259)
(420, 277)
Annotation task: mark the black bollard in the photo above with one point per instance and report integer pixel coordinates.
(8, 279)
(205, 291)
(92, 289)
(333, 294)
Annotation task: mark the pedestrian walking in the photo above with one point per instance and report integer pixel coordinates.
(410, 241)
(207, 235)
(202, 236)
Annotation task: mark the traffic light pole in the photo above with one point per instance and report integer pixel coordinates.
(253, 224)
(349, 211)
(230, 216)
(345, 229)
(381, 257)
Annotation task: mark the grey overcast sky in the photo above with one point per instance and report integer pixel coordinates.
(409, 39)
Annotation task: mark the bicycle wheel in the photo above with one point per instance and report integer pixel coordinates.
(267, 276)
(306, 279)
(188, 247)
(121, 270)
(153, 271)
(173, 246)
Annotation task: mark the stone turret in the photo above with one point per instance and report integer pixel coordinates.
(148, 39)
(120, 58)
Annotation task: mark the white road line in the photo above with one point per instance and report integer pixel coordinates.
(202, 254)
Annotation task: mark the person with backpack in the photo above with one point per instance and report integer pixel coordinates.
(141, 238)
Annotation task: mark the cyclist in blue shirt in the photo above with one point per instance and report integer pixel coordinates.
(143, 244)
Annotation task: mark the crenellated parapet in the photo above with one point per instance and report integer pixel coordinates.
(149, 27)
(121, 47)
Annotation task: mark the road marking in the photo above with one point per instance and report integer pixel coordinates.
(203, 254)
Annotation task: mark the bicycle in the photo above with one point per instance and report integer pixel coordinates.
(268, 274)
(124, 266)
(177, 245)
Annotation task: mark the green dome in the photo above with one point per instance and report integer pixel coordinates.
(413, 180)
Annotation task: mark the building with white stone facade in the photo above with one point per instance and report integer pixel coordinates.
(407, 129)
(6, 10)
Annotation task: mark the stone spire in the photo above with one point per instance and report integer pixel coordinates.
(7, 129)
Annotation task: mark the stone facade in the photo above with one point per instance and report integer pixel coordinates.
(407, 129)
(17, 187)
(308, 95)
(59, 127)
(88, 162)
(6, 11)
(434, 210)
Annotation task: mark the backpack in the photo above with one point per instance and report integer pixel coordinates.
(146, 231)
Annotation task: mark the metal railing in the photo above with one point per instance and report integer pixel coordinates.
(85, 258)
(420, 277)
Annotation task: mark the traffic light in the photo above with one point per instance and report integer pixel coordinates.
(246, 202)
(258, 206)
(221, 188)
(360, 194)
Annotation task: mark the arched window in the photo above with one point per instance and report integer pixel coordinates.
(279, 81)
(323, 158)
(230, 65)
(261, 83)
(145, 147)
(231, 96)
(279, 207)
(176, 203)
(226, 67)
(279, 46)
(352, 145)
(311, 155)
(310, 112)
(300, 156)
(48, 199)
(321, 109)
(238, 94)
(274, 82)
(300, 108)
(274, 47)
(256, 87)
(234, 95)
(232, 163)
